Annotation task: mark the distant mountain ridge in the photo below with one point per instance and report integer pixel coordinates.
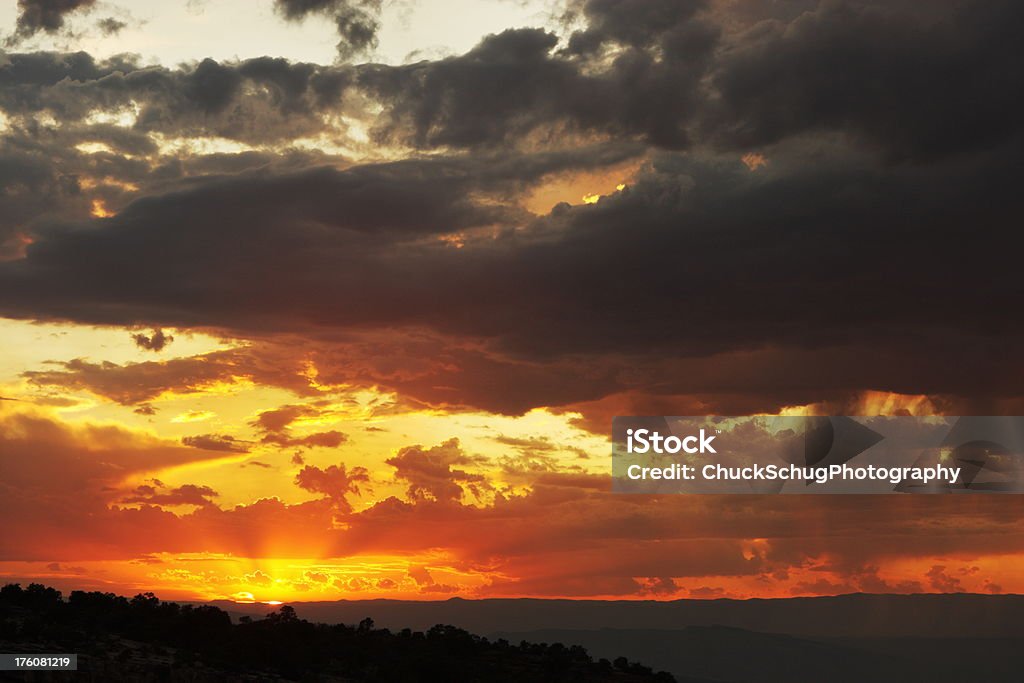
(925, 615)
(731, 655)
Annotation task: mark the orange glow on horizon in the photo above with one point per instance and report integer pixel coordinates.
(219, 579)
(258, 476)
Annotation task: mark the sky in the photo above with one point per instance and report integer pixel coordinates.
(323, 299)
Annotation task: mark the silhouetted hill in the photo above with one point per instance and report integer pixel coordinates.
(937, 638)
(144, 639)
(731, 655)
(856, 615)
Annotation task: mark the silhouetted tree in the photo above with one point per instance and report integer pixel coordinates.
(126, 633)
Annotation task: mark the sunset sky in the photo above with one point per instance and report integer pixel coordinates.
(320, 299)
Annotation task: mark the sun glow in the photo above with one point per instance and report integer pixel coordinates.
(100, 210)
(871, 403)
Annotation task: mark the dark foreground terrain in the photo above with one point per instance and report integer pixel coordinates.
(952, 638)
(732, 655)
(144, 639)
(937, 638)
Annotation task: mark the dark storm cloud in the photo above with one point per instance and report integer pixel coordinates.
(908, 80)
(340, 215)
(45, 15)
(29, 187)
(45, 175)
(356, 20)
(262, 99)
(637, 23)
(515, 84)
(856, 231)
(880, 228)
(915, 87)
(695, 258)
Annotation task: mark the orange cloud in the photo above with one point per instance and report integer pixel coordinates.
(430, 475)
(336, 482)
(560, 532)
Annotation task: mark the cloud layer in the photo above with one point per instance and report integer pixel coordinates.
(879, 207)
(653, 207)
